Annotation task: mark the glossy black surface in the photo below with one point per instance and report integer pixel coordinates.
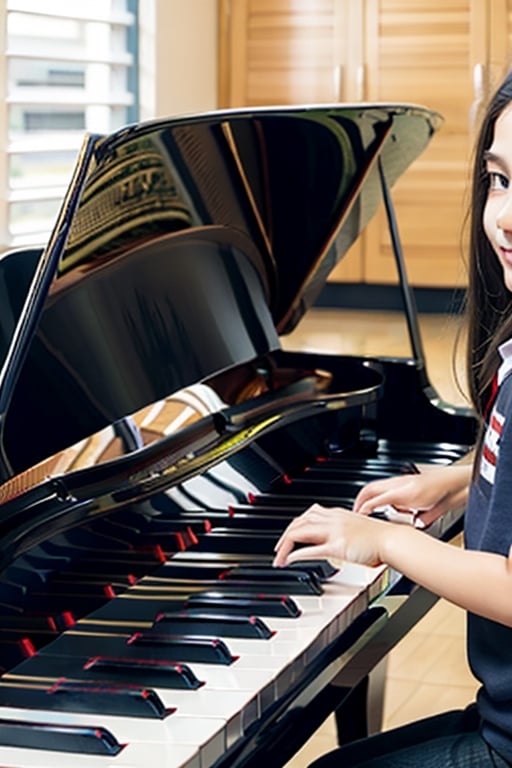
(299, 183)
(195, 242)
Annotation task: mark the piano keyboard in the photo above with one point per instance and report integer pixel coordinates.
(201, 639)
(195, 727)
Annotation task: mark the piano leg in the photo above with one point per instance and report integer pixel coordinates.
(361, 711)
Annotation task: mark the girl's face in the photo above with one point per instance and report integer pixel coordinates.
(497, 218)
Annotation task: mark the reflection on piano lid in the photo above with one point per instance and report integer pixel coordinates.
(183, 248)
(155, 440)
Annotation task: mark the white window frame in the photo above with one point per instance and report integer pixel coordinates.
(177, 69)
(7, 147)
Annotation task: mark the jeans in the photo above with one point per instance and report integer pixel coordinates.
(450, 740)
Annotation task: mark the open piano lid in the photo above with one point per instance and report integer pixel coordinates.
(184, 247)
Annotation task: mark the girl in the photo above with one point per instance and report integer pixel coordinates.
(478, 577)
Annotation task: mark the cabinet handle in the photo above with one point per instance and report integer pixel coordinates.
(478, 95)
(338, 82)
(361, 83)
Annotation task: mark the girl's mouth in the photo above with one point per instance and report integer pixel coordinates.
(506, 254)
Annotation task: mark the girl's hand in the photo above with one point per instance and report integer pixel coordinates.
(431, 493)
(332, 533)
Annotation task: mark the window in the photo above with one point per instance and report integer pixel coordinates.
(68, 68)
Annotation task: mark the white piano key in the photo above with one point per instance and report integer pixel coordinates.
(187, 735)
(135, 755)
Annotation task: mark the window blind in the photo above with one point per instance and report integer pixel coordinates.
(67, 68)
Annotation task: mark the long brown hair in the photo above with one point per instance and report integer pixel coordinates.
(489, 302)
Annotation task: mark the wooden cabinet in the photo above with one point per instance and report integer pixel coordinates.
(444, 54)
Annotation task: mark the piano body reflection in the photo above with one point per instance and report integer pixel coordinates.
(155, 440)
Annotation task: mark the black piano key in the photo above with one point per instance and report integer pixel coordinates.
(250, 577)
(211, 650)
(207, 565)
(299, 501)
(213, 563)
(27, 642)
(133, 611)
(88, 589)
(163, 674)
(172, 531)
(296, 581)
(279, 512)
(322, 569)
(310, 487)
(78, 605)
(114, 569)
(59, 738)
(142, 524)
(14, 651)
(326, 473)
(250, 583)
(70, 578)
(119, 573)
(28, 623)
(212, 624)
(188, 571)
(242, 517)
(422, 452)
(125, 562)
(236, 604)
(86, 697)
(148, 645)
(108, 669)
(229, 540)
(379, 463)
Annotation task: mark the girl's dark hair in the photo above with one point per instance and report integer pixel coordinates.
(489, 303)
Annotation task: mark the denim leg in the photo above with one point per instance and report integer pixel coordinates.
(450, 740)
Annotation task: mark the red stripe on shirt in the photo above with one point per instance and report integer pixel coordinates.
(496, 425)
(489, 455)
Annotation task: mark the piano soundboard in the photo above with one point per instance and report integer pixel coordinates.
(156, 440)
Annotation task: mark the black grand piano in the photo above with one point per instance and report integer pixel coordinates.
(156, 439)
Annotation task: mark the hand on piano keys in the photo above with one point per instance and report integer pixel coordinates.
(333, 533)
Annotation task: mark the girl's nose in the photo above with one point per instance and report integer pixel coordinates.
(504, 217)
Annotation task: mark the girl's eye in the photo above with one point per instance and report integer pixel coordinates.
(497, 180)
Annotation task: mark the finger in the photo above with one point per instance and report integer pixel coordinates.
(367, 495)
(304, 517)
(314, 552)
(306, 533)
(280, 542)
(280, 558)
(381, 500)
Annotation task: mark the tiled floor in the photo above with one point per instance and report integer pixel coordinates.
(427, 671)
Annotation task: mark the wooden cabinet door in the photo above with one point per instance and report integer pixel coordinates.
(499, 59)
(430, 53)
(279, 52)
(285, 52)
(444, 54)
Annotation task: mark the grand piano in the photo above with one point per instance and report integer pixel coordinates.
(156, 439)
